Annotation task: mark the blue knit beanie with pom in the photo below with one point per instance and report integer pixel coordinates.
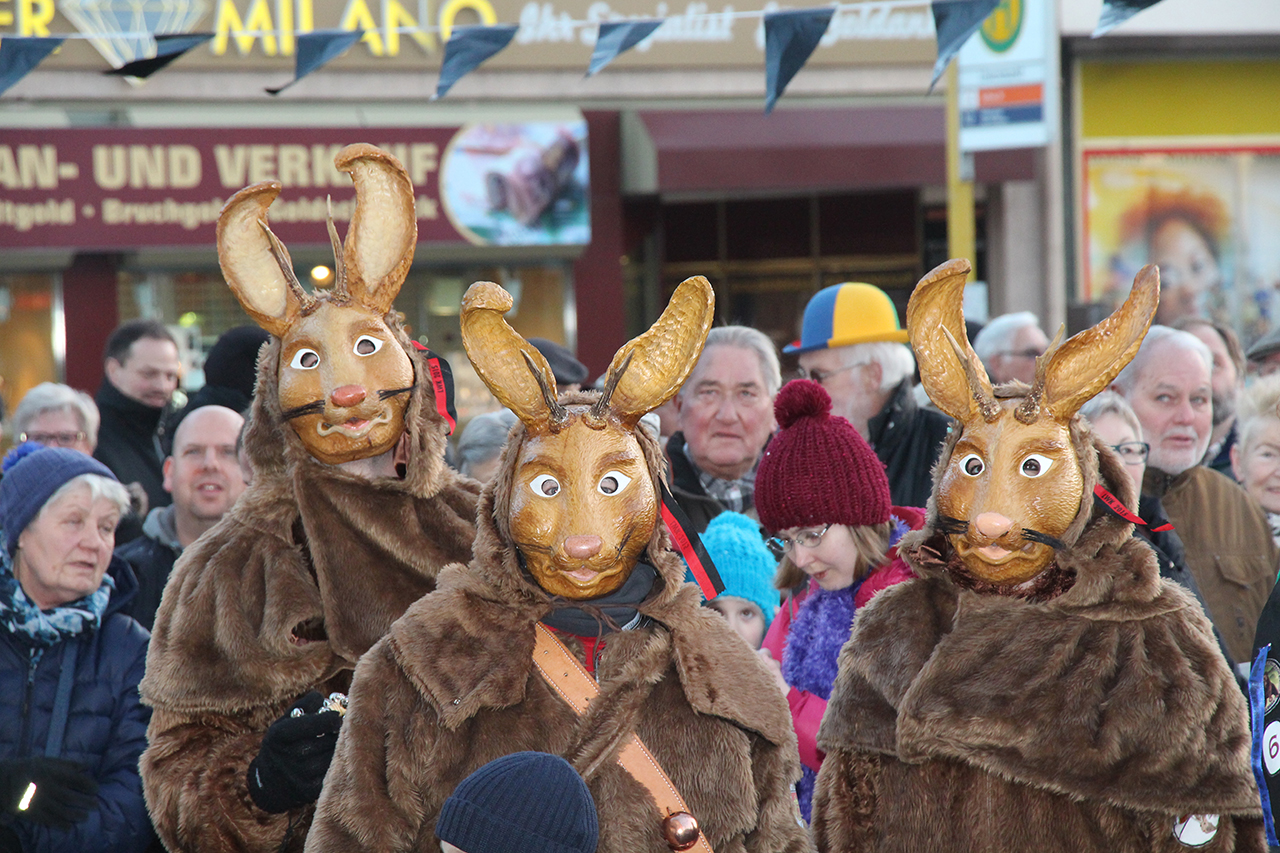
(526, 802)
(743, 560)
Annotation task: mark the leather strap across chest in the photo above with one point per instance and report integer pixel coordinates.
(575, 685)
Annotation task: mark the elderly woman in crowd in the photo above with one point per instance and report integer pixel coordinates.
(481, 443)
(1255, 457)
(57, 416)
(71, 723)
(824, 496)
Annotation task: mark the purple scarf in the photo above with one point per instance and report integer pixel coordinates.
(819, 632)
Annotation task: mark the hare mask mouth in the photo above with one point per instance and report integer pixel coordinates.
(355, 426)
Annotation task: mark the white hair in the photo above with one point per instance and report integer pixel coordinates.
(53, 397)
(895, 360)
(747, 338)
(997, 336)
(1156, 336)
(99, 487)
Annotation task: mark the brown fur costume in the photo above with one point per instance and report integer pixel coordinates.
(453, 686)
(963, 721)
(299, 579)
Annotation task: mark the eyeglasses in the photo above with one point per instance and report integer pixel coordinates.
(1021, 353)
(1132, 452)
(780, 545)
(52, 439)
(821, 376)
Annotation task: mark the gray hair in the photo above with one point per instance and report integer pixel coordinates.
(747, 338)
(1111, 403)
(99, 487)
(53, 397)
(895, 360)
(1156, 336)
(483, 439)
(997, 336)
(1259, 402)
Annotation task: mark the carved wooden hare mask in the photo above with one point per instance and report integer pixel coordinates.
(344, 377)
(584, 501)
(1013, 483)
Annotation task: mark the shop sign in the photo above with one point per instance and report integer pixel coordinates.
(126, 188)
(1007, 96)
(411, 33)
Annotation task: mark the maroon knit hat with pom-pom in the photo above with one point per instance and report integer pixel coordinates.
(818, 469)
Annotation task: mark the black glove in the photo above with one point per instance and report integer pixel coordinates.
(294, 757)
(9, 841)
(64, 795)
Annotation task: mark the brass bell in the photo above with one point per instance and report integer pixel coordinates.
(680, 830)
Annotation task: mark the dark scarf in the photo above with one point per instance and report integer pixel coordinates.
(595, 617)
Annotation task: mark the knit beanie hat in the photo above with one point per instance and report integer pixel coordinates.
(232, 362)
(32, 473)
(743, 560)
(818, 469)
(526, 802)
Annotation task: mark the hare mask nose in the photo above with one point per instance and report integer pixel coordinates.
(582, 547)
(992, 525)
(347, 395)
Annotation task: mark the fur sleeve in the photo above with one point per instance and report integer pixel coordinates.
(844, 802)
(374, 797)
(193, 775)
(778, 827)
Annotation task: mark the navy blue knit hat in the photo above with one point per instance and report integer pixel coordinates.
(526, 802)
(32, 473)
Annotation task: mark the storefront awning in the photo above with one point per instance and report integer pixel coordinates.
(686, 151)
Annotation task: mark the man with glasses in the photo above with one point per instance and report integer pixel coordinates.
(1009, 346)
(853, 346)
(1225, 533)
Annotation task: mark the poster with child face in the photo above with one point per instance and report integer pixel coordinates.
(1206, 217)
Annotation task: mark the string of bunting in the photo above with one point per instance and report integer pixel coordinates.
(791, 36)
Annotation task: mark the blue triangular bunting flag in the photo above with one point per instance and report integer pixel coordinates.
(467, 48)
(169, 46)
(789, 40)
(954, 21)
(20, 54)
(618, 37)
(316, 49)
(1116, 12)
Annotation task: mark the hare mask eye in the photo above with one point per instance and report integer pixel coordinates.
(545, 486)
(1036, 465)
(972, 465)
(612, 483)
(305, 359)
(367, 345)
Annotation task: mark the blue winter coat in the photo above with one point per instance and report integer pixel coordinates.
(106, 727)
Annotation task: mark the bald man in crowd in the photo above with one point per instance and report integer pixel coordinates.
(204, 477)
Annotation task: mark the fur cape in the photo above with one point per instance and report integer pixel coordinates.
(452, 686)
(305, 573)
(1092, 721)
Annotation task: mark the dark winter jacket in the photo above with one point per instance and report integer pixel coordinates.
(129, 442)
(908, 438)
(106, 727)
(1228, 544)
(453, 686)
(307, 570)
(1093, 721)
(151, 556)
(687, 488)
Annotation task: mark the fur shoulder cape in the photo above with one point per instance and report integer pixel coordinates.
(1114, 691)
(310, 567)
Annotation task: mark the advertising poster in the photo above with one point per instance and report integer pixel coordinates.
(1208, 217)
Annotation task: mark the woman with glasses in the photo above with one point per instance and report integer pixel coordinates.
(57, 416)
(823, 495)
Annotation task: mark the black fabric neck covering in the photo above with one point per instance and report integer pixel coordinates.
(595, 617)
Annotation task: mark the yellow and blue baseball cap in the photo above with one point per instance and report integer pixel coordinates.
(845, 314)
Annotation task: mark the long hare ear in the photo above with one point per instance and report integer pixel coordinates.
(516, 373)
(384, 228)
(255, 263)
(649, 370)
(1067, 376)
(950, 370)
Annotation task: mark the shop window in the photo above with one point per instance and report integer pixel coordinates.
(28, 337)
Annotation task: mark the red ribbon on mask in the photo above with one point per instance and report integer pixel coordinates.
(441, 385)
